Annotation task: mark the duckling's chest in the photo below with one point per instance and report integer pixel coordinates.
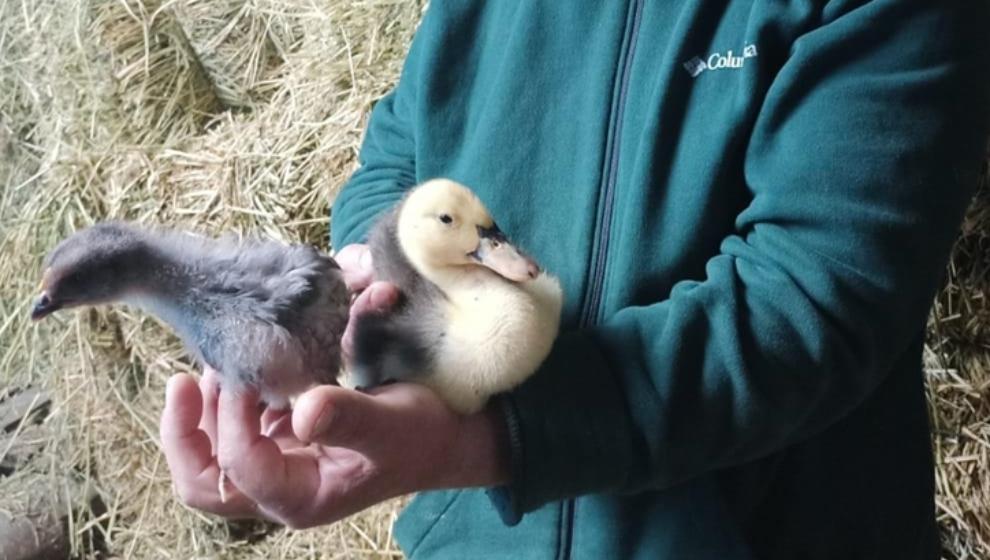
(495, 336)
(488, 314)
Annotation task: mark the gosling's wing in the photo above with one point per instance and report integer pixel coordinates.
(319, 301)
(294, 291)
(273, 281)
(304, 293)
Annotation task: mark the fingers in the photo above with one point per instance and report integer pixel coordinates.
(367, 455)
(355, 264)
(189, 454)
(183, 409)
(400, 431)
(378, 297)
(339, 417)
(277, 425)
(209, 388)
(282, 484)
(274, 421)
(332, 416)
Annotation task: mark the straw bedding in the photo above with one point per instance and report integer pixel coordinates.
(246, 115)
(958, 369)
(221, 115)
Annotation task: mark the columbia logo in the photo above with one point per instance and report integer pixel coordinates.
(719, 61)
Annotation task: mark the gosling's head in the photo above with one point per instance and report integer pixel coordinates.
(95, 265)
(443, 224)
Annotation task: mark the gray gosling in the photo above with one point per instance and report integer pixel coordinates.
(262, 314)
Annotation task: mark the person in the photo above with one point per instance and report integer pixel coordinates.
(749, 205)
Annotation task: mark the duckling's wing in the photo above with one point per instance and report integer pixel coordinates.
(386, 348)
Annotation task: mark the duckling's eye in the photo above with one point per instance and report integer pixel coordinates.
(445, 218)
(495, 244)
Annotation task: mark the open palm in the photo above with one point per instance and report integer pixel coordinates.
(336, 453)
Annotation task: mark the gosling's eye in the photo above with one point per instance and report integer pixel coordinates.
(495, 244)
(445, 218)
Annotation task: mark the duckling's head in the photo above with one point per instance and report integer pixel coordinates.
(96, 265)
(442, 224)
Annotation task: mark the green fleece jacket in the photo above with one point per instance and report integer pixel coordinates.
(749, 205)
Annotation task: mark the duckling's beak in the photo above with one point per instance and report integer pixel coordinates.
(495, 252)
(43, 307)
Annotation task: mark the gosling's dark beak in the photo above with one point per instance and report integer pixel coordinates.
(43, 307)
(495, 252)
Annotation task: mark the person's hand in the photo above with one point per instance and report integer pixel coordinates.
(338, 452)
(371, 297)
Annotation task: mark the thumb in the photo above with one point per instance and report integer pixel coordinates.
(339, 417)
(370, 423)
(356, 265)
(377, 298)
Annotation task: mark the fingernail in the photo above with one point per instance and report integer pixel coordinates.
(382, 297)
(170, 388)
(365, 260)
(322, 421)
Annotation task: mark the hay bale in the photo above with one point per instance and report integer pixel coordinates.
(159, 91)
(231, 42)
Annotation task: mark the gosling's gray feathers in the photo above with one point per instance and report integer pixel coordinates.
(261, 313)
(396, 345)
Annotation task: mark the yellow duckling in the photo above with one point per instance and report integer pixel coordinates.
(476, 317)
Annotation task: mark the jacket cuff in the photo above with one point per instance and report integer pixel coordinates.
(569, 431)
(506, 501)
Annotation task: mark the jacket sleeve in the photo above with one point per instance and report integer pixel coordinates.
(387, 160)
(860, 164)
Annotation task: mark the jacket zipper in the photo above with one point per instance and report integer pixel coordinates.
(591, 314)
(591, 311)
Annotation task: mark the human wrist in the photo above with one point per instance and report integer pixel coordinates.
(480, 456)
